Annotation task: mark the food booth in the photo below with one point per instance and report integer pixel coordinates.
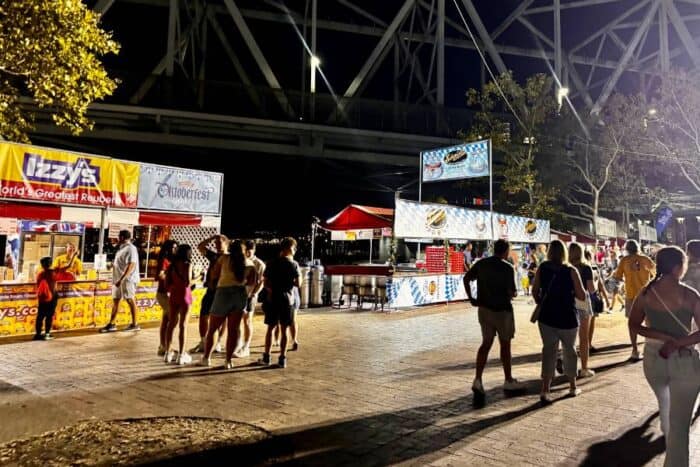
(49, 197)
(439, 279)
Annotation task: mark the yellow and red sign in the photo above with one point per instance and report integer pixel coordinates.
(80, 305)
(33, 173)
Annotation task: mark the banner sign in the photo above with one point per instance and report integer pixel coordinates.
(647, 233)
(662, 220)
(407, 291)
(464, 161)
(441, 221)
(80, 305)
(182, 190)
(520, 229)
(51, 226)
(605, 227)
(425, 220)
(32, 173)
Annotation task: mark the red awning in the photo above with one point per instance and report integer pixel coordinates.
(29, 211)
(356, 217)
(160, 218)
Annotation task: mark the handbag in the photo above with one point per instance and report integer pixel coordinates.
(536, 312)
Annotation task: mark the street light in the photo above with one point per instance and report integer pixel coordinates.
(562, 93)
(315, 63)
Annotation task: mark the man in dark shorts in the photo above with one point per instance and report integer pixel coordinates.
(220, 248)
(281, 280)
(496, 287)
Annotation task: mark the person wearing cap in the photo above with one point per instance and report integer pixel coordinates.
(636, 270)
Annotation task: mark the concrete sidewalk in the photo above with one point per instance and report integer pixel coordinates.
(365, 388)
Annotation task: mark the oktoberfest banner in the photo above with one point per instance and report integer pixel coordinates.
(181, 190)
(33, 173)
(407, 291)
(456, 162)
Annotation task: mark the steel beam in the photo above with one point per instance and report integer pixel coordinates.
(484, 36)
(245, 79)
(258, 56)
(511, 18)
(362, 12)
(683, 33)
(441, 52)
(369, 63)
(565, 6)
(609, 26)
(663, 38)
(626, 56)
(172, 26)
(617, 41)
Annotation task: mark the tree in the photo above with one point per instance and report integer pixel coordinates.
(51, 50)
(519, 142)
(594, 153)
(673, 124)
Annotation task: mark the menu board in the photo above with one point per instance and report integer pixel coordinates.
(468, 160)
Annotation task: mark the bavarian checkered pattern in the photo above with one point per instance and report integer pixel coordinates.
(476, 163)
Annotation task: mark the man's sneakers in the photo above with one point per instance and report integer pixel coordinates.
(37, 337)
(635, 357)
(133, 327)
(479, 393)
(111, 327)
(47, 337)
(586, 373)
(513, 385)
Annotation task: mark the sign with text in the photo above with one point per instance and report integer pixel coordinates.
(468, 160)
(33, 173)
(605, 227)
(181, 190)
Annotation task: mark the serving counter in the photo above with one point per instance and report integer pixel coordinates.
(402, 288)
(81, 305)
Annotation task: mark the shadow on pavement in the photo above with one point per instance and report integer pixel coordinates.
(379, 439)
(633, 447)
(195, 372)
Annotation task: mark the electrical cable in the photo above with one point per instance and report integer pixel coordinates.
(486, 65)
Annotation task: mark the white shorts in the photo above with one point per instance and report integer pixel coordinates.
(127, 290)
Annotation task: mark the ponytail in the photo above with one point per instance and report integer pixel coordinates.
(656, 279)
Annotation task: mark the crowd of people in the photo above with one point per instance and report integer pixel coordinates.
(662, 304)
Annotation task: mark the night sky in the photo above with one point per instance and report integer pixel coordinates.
(297, 187)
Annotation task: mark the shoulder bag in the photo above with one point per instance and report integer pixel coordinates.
(536, 312)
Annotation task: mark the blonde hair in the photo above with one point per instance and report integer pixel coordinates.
(557, 252)
(576, 255)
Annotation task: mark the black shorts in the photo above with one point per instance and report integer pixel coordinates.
(278, 313)
(207, 301)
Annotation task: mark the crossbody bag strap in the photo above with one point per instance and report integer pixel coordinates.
(680, 323)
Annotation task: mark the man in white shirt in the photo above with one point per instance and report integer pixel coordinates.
(253, 292)
(125, 278)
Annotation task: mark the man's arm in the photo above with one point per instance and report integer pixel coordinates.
(203, 246)
(260, 281)
(133, 261)
(513, 291)
(470, 276)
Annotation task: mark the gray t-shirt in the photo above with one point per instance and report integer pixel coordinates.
(127, 254)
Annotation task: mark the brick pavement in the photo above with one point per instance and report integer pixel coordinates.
(364, 389)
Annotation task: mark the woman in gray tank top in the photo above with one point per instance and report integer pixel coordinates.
(664, 314)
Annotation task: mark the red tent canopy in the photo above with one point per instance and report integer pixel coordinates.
(356, 217)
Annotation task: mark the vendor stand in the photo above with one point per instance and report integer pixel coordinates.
(51, 197)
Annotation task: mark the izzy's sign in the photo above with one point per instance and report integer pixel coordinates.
(33, 173)
(181, 190)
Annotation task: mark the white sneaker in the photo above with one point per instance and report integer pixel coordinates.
(184, 359)
(587, 373)
(228, 365)
(242, 353)
(218, 348)
(513, 385)
(169, 356)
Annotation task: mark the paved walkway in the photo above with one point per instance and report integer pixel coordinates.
(365, 388)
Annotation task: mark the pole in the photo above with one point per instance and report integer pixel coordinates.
(101, 236)
(148, 250)
(313, 240)
(370, 250)
(491, 188)
(420, 193)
